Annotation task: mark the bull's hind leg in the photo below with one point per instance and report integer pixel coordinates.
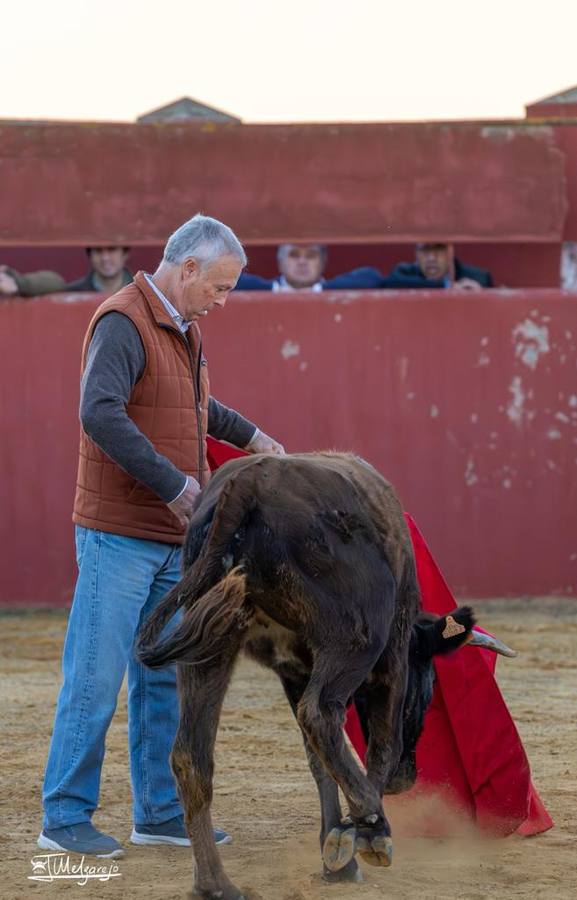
(331, 813)
(336, 675)
(202, 689)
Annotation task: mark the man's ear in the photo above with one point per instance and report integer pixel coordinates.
(190, 268)
(443, 635)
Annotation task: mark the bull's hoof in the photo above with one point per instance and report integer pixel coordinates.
(350, 873)
(375, 849)
(339, 847)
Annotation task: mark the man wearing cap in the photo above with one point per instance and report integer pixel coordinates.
(145, 412)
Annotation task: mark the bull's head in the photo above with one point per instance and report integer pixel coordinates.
(432, 636)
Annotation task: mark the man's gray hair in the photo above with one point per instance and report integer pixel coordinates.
(284, 249)
(205, 239)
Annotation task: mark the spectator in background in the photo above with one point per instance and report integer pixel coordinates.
(436, 266)
(569, 266)
(13, 283)
(108, 273)
(301, 268)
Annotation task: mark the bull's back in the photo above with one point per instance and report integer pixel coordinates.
(320, 512)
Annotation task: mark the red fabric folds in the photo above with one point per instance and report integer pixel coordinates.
(470, 750)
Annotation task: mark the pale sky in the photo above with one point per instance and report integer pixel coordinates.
(285, 60)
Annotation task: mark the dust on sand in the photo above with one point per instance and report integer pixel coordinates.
(264, 793)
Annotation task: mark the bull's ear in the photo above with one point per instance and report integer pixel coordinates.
(454, 629)
(445, 634)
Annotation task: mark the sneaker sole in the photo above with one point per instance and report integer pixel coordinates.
(151, 839)
(47, 844)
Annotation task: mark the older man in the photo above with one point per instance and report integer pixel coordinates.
(145, 412)
(301, 268)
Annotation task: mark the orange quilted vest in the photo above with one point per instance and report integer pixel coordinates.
(169, 404)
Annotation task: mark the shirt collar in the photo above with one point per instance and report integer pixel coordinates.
(280, 285)
(174, 314)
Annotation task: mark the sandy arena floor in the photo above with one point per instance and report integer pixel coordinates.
(265, 795)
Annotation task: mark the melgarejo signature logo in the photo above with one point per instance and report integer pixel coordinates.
(50, 867)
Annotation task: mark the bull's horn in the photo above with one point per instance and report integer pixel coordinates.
(489, 642)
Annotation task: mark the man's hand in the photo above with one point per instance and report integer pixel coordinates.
(182, 506)
(262, 443)
(467, 284)
(8, 286)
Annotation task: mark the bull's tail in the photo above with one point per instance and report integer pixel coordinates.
(206, 627)
(210, 592)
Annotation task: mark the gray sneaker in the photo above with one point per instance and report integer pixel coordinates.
(82, 838)
(171, 832)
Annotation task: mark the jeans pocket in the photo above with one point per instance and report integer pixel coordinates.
(80, 536)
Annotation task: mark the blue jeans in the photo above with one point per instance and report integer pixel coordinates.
(120, 581)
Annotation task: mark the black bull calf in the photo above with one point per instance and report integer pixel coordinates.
(306, 563)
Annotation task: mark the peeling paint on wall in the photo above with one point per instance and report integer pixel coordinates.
(289, 348)
(531, 342)
(516, 406)
(471, 476)
(434, 411)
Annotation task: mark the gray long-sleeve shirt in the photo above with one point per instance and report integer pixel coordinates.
(115, 362)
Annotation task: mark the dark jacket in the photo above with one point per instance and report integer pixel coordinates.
(248, 282)
(365, 278)
(408, 275)
(404, 276)
(87, 282)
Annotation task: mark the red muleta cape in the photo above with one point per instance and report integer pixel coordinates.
(470, 750)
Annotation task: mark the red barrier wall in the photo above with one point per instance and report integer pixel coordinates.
(78, 183)
(467, 403)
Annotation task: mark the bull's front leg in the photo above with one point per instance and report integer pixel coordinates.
(385, 704)
(331, 813)
(202, 689)
(321, 715)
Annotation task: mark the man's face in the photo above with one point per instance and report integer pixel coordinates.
(203, 288)
(108, 262)
(435, 260)
(302, 266)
